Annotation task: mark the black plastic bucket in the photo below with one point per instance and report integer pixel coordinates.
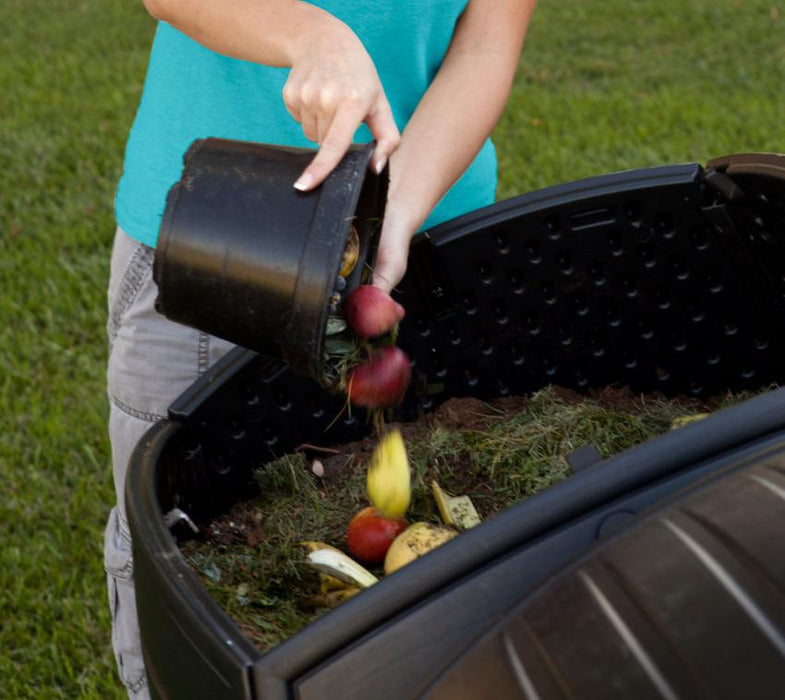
(244, 256)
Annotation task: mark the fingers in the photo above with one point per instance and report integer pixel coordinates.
(390, 267)
(385, 131)
(331, 119)
(333, 146)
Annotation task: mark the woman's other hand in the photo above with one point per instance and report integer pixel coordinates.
(333, 87)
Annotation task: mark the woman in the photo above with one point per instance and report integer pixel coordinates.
(427, 80)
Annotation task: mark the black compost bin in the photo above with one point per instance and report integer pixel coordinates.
(658, 572)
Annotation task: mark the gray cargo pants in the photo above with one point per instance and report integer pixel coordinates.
(151, 361)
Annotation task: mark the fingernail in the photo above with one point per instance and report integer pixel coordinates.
(304, 182)
(379, 165)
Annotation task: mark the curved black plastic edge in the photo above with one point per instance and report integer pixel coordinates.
(333, 211)
(167, 590)
(717, 477)
(597, 186)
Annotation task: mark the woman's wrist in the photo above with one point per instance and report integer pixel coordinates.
(309, 27)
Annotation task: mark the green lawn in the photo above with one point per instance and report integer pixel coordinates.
(603, 86)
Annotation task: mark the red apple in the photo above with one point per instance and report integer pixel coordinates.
(370, 535)
(382, 381)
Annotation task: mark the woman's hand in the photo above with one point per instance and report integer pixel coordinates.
(333, 87)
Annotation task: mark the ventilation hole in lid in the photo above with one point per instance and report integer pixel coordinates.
(678, 343)
(348, 419)
(633, 213)
(249, 393)
(646, 255)
(485, 272)
(282, 400)
(712, 359)
(629, 287)
(760, 342)
(423, 326)
(597, 274)
(315, 408)
(517, 354)
(548, 292)
(664, 226)
(486, 346)
(269, 433)
(680, 270)
(532, 325)
(502, 243)
(438, 366)
(533, 253)
(220, 465)
(565, 337)
(516, 282)
(646, 332)
(700, 238)
(580, 304)
(564, 260)
(455, 337)
(713, 281)
(729, 327)
(469, 304)
(235, 428)
(661, 298)
(500, 313)
(552, 228)
(747, 371)
(613, 316)
(614, 241)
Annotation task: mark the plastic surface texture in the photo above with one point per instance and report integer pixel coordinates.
(663, 279)
(244, 256)
(688, 603)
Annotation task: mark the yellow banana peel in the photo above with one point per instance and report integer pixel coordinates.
(680, 422)
(414, 542)
(389, 480)
(327, 583)
(330, 599)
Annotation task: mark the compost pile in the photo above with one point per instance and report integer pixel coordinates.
(252, 563)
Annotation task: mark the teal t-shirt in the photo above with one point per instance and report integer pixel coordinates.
(191, 92)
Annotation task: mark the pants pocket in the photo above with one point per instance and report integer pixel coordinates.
(131, 263)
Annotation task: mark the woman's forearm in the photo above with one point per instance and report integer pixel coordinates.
(461, 107)
(269, 32)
